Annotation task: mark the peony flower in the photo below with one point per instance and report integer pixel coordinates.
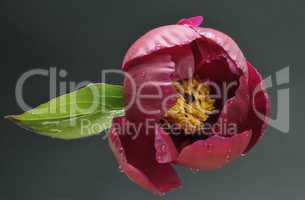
(191, 99)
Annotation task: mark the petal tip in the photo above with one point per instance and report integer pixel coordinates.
(192, 21)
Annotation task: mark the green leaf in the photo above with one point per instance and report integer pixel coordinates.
(81, 113)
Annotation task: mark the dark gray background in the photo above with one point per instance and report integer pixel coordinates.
(84, 37)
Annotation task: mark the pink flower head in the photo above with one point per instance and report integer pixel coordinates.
(162, 113)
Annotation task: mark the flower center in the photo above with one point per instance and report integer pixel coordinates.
(192, 108)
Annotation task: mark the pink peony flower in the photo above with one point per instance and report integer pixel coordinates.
(191, 99)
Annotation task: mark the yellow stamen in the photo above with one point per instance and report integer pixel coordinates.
(192, 108)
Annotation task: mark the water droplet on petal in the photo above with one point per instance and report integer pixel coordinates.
(161, 194)
(228, 158)
(159, 158)
(163, 148)
(194, 170)
(121, 169)
(209, 147)
(157, 46)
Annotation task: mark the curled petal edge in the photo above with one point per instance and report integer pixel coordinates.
(140, 168)
(214, 152)
(158, 39)
(261, 103)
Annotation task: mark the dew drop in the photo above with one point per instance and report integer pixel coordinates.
(228, 158)
(194, 170)
(121, 150)
(142, 75)
(159, 158)
(121, 153)
(120, 169)
(163, 148)
(157, 46)
(209, 147)
(55, 130)
(160, 194)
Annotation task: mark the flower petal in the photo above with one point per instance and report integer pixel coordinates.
(148, 90)
(214, 152)
(166, 151)
(136, 156)
(227, 44)
(158, 39)
(261, 103)
(235, 109)
(227, 79)
(184, 62)
(192, 21)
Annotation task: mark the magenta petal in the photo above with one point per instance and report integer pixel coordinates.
(227, 44)
(150, 77)
(214, 152)
(158, 39)
(235, 110)
(184, 62)
(166, 151)
(192, 21)
(136, 156)
(261, 103)
(214, 64)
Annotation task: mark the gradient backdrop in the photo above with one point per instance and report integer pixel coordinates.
(84, 37)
